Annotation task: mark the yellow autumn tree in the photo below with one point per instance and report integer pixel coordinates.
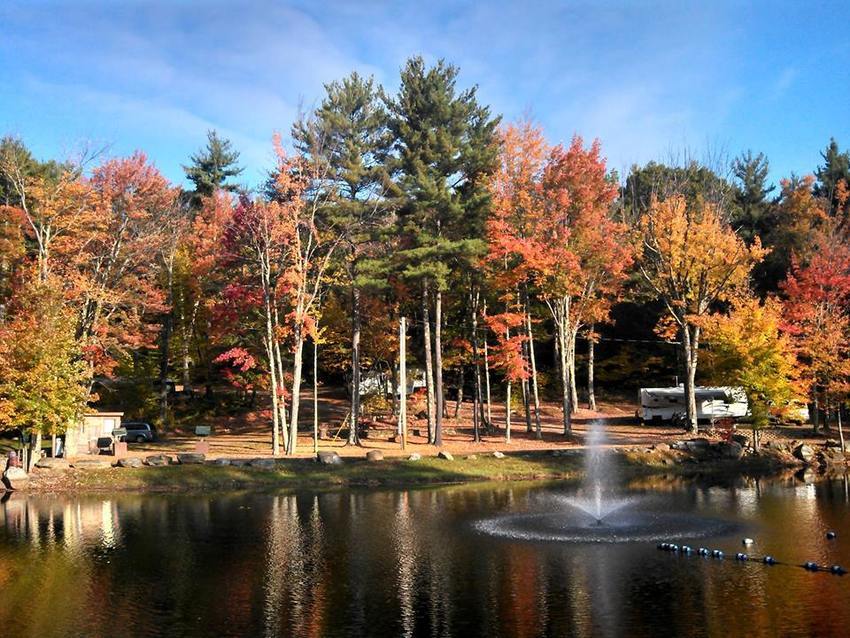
(691, 258)
(747, 348)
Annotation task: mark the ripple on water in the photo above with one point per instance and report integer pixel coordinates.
(628, 527)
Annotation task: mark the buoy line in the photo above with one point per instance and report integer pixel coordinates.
(767, 559)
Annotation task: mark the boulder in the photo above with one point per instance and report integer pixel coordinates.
(328, 458)
(190, 458)
(661, 447)
(14, 478)
(446, 456)
(50, 463)
(374, 456)
(263, 464)
(697, 445)
(416, 456)
(219, 462)
(240, 462)
(730, 450)
(472, 457)
(834, 456)
(805, 453)
(130, 461)
(92, 463)
(157, 460)
(741, 439)
(498, 455)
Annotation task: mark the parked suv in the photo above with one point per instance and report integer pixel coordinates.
(138, 432)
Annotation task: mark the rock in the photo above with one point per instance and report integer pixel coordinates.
(661, 447)
(374, 456)
(329, 458)
(190, 458)
(14, 478)
(741, 439)
(730, 450)
(157, 459)
(472, 457)
(263, 464)
(446, 456)
(805, 453)
(50, 463)
(697, 445)
(416, 456)
(240, 462)
(92, 463)
(832, 443)
(219, 462)
(834, 456)
(130, 461)
(498, 455)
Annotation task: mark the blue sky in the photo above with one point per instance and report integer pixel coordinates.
(648, 78)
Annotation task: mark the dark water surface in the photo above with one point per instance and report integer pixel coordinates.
(423, 563)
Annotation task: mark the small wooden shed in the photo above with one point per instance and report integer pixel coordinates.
(82, 437)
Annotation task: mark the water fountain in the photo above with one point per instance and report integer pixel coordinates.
(599, 512)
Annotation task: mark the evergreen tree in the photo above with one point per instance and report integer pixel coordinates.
(753, 215)
(348, 136)
(834, 178)
(211, 167)
(445, 146)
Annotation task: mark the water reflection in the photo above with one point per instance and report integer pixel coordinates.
(410, 563)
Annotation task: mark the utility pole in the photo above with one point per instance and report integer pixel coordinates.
(402, 377)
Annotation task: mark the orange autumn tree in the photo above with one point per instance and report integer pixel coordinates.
(589, 252)
(516, 248)
(692, 259)
(108, 261)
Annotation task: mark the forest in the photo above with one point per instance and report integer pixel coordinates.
(526, 271)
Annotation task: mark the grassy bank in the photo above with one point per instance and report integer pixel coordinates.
(305, 473)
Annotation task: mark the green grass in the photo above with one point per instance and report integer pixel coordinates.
(307, 474)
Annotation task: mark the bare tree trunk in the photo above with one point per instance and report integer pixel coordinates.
(274, 382)
(591, 394)
(429, 369)
(560, 309)
(476, 420)
(690, 345)
(296, 390)
(525, 393)
(315, 396)
(508, 401)
(438, 364)
(489, 422)
(459, 400)
(815, 410)
(353, 438)
(571, 361)
(165, 346)
(534, 388)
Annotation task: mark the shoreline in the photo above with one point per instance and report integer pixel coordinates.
(394, 472)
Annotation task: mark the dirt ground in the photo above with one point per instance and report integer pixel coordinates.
(249, 435)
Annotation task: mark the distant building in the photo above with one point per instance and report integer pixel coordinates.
(81, 438)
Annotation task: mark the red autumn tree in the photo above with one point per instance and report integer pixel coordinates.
(816, 313)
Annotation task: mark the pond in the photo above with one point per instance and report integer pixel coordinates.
(450, 561)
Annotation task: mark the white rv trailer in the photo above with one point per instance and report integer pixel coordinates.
(663, 404)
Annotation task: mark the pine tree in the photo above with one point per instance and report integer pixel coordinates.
(834, 178)
(211, 167)
(753, 217)
(347, 134)
(444, 141)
